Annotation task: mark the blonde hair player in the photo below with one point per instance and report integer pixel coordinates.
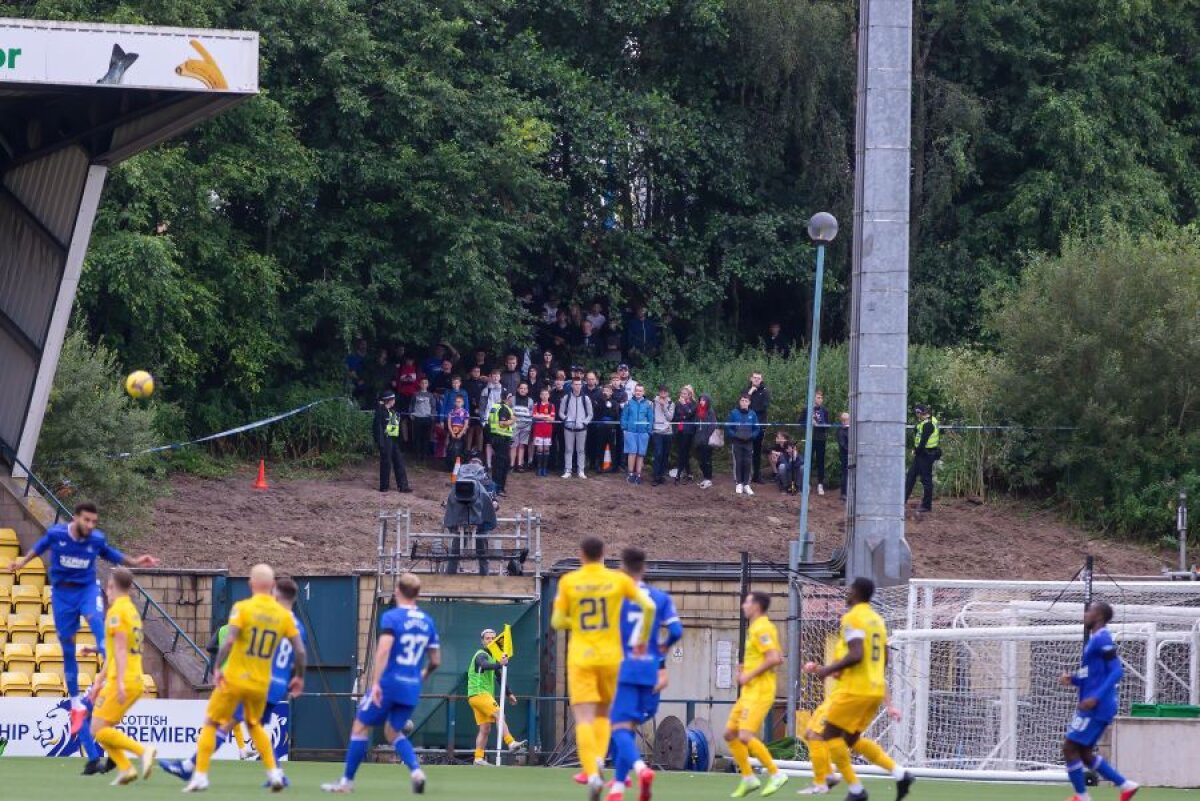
(120, 686)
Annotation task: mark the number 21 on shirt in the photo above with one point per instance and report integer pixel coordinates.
(593, 614)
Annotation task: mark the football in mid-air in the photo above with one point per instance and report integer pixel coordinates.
(139, 384)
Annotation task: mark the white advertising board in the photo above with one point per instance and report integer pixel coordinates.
(41, 727)
(131, 56)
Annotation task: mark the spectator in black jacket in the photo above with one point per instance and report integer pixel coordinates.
(926, 452)
(706, 423)
(587, 345)
(685, 434)
(774, 344)
(820, 419)
(760, 403)
(843, 441)
(387, 439)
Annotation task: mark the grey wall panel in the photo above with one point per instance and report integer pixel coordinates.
(30, 270)
(17, 371)
(50, 188)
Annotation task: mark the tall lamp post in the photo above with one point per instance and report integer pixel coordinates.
(822, 229)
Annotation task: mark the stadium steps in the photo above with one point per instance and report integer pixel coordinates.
(179, 671)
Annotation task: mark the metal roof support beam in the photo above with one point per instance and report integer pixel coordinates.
(9, 326)
(88, 204)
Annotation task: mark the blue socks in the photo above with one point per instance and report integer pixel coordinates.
(406, 752)
(355, 754)
(1107, 771)
(1075, 774)
(71, 670)
(626, 753)
(88, 743)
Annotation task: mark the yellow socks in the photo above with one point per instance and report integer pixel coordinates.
(873, 753)
(508, 739)
(603, 729)
(818, 752)
(239, 737)
(760, 752)
(205, 745)
(478, 754)
(585, 740)
(116, 742)
(839, 752)
(741, 755)
(262, 741)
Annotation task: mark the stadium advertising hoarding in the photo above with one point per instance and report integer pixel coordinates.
(41, 727)
(87, 54)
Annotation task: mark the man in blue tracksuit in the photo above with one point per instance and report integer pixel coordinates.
(642, 678)
(74, 590)
(1097, 679)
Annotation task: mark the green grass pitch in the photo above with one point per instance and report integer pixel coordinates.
(41, 779)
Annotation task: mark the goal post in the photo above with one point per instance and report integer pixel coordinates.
(974, 666)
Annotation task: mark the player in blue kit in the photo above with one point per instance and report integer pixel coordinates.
(1097, 679)
(282, 670)
(642, 678)
(74, 592)
(406, 634)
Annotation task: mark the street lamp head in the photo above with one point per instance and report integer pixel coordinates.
(822, 228)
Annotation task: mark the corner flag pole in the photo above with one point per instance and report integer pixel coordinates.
(500, 722)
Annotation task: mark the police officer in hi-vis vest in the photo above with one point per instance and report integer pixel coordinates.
(387, 437)
(925, 452)
(500, 421)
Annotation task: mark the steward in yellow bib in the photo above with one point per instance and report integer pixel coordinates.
(481, 696)
(501, 420)
(387, 438)
(926, 438)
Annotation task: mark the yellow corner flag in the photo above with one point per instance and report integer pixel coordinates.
(503, 644)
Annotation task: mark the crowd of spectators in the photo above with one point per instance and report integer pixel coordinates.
(572, 407)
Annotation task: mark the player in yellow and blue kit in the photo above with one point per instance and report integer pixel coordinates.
(1097, 679)
(257, 625)
(74, 591)
(406, 636)
(589, 604)
(756, 677)
(642, 677)
(282, 672)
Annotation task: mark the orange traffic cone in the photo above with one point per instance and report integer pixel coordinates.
(454, 472)
(261, 482)
(606, 465)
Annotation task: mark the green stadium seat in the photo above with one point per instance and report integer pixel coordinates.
(15, 685)
(18, 658)
(47, 685)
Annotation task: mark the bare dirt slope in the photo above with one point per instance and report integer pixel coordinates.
(327, 524)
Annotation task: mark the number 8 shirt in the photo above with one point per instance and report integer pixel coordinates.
(262, 623)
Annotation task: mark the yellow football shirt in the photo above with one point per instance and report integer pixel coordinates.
(123, 618)
(867, 678)
(262, 623)
(761, 638)
(589, 602)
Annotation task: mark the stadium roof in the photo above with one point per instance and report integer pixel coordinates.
(76, 98)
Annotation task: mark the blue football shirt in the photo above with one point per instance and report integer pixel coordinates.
(282, 667)
(73, 561)
(643, 670)
(1099, 674)
(413, 634)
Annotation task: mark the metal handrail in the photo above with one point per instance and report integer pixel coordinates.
(61, 512)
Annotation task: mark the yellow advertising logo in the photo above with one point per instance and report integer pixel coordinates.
(203, 69)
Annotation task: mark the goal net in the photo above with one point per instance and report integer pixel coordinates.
(974, 666)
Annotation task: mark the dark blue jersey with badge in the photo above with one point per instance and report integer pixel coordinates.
(413, 634)
(643, 670)
(73, 561)
(1099, 674)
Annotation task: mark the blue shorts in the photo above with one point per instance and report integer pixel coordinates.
(635, 443)
(390, 711)
(635, 703)
(1086, 730)
(70, 603)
